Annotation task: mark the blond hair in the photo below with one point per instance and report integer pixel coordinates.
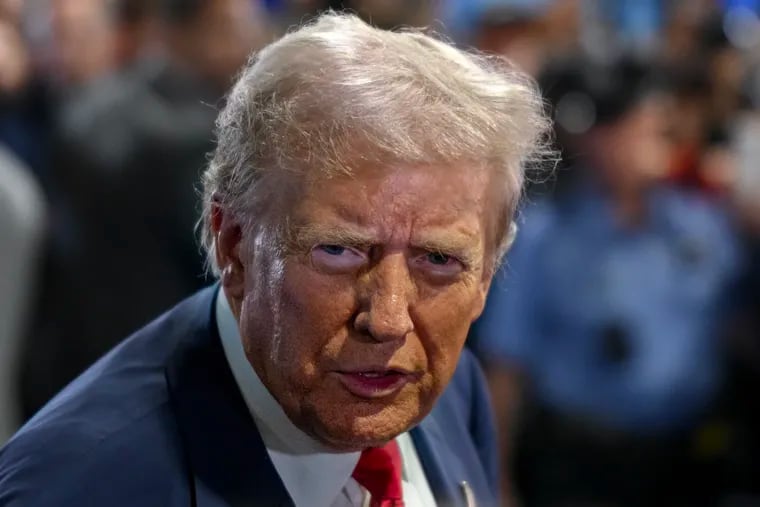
(337, 92)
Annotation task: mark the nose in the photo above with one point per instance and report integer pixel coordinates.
(384, 314)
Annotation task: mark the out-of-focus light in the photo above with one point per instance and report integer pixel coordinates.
(575, 112)
(742, 27)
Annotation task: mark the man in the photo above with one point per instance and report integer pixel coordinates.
(355, 208)
(602, 336)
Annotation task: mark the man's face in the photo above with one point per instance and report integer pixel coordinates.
(83, 42)
(357, 328)
(637, 148)
(217, 57)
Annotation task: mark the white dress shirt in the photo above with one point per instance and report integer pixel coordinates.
(313, 475)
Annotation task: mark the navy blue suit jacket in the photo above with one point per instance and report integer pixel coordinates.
(159, 421)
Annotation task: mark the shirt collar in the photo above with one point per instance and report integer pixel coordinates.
(294, 454)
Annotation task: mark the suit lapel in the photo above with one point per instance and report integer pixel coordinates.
(443, 469)
(227, 460)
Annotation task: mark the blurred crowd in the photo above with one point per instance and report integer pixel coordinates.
(622, 335)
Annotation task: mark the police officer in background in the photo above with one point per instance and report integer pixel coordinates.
(601, 332)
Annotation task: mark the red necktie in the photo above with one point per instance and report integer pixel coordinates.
(379, 471)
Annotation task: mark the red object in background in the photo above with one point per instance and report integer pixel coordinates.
(686, 169)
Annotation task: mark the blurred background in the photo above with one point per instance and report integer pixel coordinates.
(622, 335)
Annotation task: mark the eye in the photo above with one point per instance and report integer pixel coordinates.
(336, 258)
(440, 264)
(332, 249)
(438, 258)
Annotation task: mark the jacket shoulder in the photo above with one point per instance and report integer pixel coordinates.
(70, 463)
(110, 437)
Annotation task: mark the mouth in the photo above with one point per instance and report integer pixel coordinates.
(376, 383)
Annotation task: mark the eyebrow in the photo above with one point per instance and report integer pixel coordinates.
(305, 237)
(463, 245)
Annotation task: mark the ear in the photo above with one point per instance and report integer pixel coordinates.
(228, 235)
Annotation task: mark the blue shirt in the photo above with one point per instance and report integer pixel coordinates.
(611, 323)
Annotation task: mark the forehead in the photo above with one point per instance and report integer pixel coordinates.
(394, 200)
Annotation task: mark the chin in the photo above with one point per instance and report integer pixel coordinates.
(356, 425)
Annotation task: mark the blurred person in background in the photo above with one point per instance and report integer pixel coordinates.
(83, 42)
(712, 77)
(617, 26)
(191, 32)
(516, 32)
(741, 411)
(601, 334)
(724, 47)
(682, 28)
(528, 32)
(24, 108)
(531, 35)
(690, 134)
(22, 224)
(134, 27)
(727, 67)
(562, 21)
(149, 120)
(22, 203)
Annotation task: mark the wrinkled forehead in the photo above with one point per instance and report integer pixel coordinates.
(394, 182)
(399, 202)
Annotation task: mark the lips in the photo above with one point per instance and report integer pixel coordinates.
(375, 383)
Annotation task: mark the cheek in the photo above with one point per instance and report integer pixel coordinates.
(316, 309)
(443, 322)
